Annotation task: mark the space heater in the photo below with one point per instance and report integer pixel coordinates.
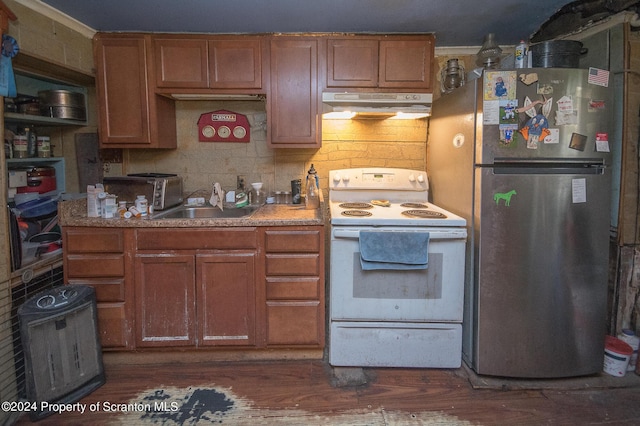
(63, 357)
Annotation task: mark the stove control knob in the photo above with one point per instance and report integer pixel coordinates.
(345, 179)
(421, 178)
(336, 178)
(412, 178)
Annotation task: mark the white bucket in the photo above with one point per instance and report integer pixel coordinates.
(630, 338)
(616, 356)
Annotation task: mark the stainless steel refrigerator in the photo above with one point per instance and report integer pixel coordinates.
(524, 156)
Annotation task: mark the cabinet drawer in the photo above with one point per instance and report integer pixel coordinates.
(107, 289)
(294, 241)
(298, 323)
(94, 241)
(292, 288)
(79, 266)
(293, 264)
(112, 325)
(194, 239)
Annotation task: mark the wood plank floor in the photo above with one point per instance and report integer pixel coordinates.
(301, 393)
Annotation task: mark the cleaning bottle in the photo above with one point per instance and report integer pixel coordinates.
(521, 52)
(312, 198)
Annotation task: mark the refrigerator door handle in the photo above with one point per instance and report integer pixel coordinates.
(549, 161)
(548, 168)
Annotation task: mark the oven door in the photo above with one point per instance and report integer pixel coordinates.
(434, 294)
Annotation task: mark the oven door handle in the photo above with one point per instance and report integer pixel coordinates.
(444, 234)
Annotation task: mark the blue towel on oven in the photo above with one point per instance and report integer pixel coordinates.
(394, 250)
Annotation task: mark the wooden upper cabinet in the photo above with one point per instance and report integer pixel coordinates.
(205, 62)
(181, 62)
(131, 115)
(122, 89)
(406, 63)
(380, 62)
(293, 106)
(352, 62)
(235, 63)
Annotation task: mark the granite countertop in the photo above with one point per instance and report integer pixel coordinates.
(74, 213)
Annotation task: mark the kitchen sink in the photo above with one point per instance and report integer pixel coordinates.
(205, 212)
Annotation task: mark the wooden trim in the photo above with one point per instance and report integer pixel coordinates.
(155, 356)
(40, 67)
(5, 16)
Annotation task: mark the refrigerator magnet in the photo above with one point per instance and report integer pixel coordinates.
(508, 111)
(528, 79)
(490, 112)
(595, 105)
(500, 85)
(504, 196)
(535, 130)
(598, 77)
(579, 190)
(578, 142)
(553, 136)
(602, 142)
(507, 133)
(565, 112)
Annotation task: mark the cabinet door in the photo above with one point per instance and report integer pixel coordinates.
(165, 300)
(131, 114)
(406, 63)
(294, 102)
(226, 299)
(181, 63)
(235, 63)
(352, 62)
(121, 78)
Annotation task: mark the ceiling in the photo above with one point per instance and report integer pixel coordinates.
(454, 22)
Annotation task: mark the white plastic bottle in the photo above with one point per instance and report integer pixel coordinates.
(522, 50)
(629, 337)
(142, 205)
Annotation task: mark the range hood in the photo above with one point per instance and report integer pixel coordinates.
(380, 104)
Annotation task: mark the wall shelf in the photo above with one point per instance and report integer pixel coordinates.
(56, 162)
(40, 120)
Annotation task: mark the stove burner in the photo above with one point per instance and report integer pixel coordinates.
(424, 214)
(355, 213)
(355, 206)
(414, 205)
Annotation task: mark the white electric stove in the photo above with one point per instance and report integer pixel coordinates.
(393, 317)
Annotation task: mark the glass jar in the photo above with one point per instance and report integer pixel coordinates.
(20, 146)
(44, 147)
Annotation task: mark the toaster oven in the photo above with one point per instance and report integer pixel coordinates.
(161, 189)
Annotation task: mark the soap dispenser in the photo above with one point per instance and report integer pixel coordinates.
(312, 198)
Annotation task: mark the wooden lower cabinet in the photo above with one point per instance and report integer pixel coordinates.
(226, 299)
(294, 279)
(204, 299)
(202, 288)
(96, 257)
(165, 300)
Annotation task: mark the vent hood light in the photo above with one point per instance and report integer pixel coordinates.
(410, 115)
(344, 115)
(215, 97)
(380, 105)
